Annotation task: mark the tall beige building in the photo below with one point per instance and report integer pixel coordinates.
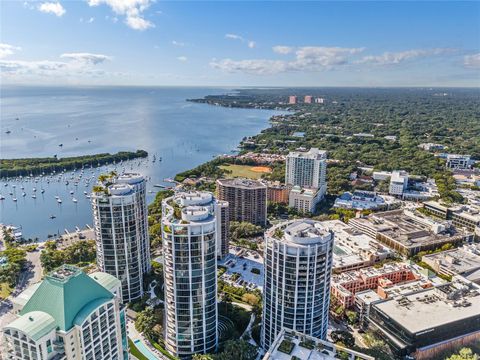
(247, 199)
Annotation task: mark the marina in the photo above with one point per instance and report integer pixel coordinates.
(177, 135)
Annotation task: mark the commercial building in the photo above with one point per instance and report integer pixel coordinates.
(381, 175)
(431, 146)
(189, 233)
(307, 99)
(69, 315)
(366, 200)
(304, 200)
(347, 284)
(464, 261)
(290, 344)
(455, 161)
(247, 199)
(462, 216)
(425, 323)
(277, 193)
(409, 232)
(121, 231)
(297, 265)
(319, 100)
(352, 249)
(307, 169)
(398, 183)
(292, 99)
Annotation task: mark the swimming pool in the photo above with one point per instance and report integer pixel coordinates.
(144, 350)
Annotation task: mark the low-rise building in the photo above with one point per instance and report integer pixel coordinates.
(456, 161)
(398, 183)
(366, 200)
(464, 261)
(277, 192)
(462, 216)
(304, 200)
(409, 232)
(381, 175)
(431, 146)
(352, 249)
(344, 286)
(426, 323)
(291, 344)
(69, 315)
(469, 177)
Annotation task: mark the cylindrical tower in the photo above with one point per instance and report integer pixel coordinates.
(189, 229)
(298, 263)
(121, 231)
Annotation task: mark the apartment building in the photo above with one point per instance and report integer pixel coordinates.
(247, 199)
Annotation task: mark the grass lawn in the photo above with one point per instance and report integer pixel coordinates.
(135, 352)
(244, 171)
(5, 290)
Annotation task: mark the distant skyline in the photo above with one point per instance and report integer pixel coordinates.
(148, 42)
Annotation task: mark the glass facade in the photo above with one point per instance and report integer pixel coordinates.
(297, 286)
(190, 265)
(123, 249)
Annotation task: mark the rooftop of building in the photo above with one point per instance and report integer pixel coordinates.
(63, 293)
(313, 153)
(438, 306)
(242, 183)
(469, 211)
(301, 232)
(458, 156)
(190, 207)
(367, 296)
(369, 272)
(458, 260)
(130, 178)
(351, 246)
(293, 345)
(106, 280)
(409, 228)
(306, 191)
(35, 324)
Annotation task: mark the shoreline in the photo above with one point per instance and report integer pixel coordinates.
(38, 166)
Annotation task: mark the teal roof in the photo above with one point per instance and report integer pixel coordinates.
(36, 324)
(106, 280)
(63, 294)
(88, 309)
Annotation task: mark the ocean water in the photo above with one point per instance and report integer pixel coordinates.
(108, 119)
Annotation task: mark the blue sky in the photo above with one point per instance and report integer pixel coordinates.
(225, 43)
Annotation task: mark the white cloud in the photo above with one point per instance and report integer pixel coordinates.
(284, 50)
(313, 56)
(182, 58)
(392, 58)
(52, 8)
(7, 50)
(472, 61)
(87, 58)
(131, 9)
(234, 37)
(250, 43)
(75, 65)
(91, 20)
(256, 66)
(308, 58)
(178, 43)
